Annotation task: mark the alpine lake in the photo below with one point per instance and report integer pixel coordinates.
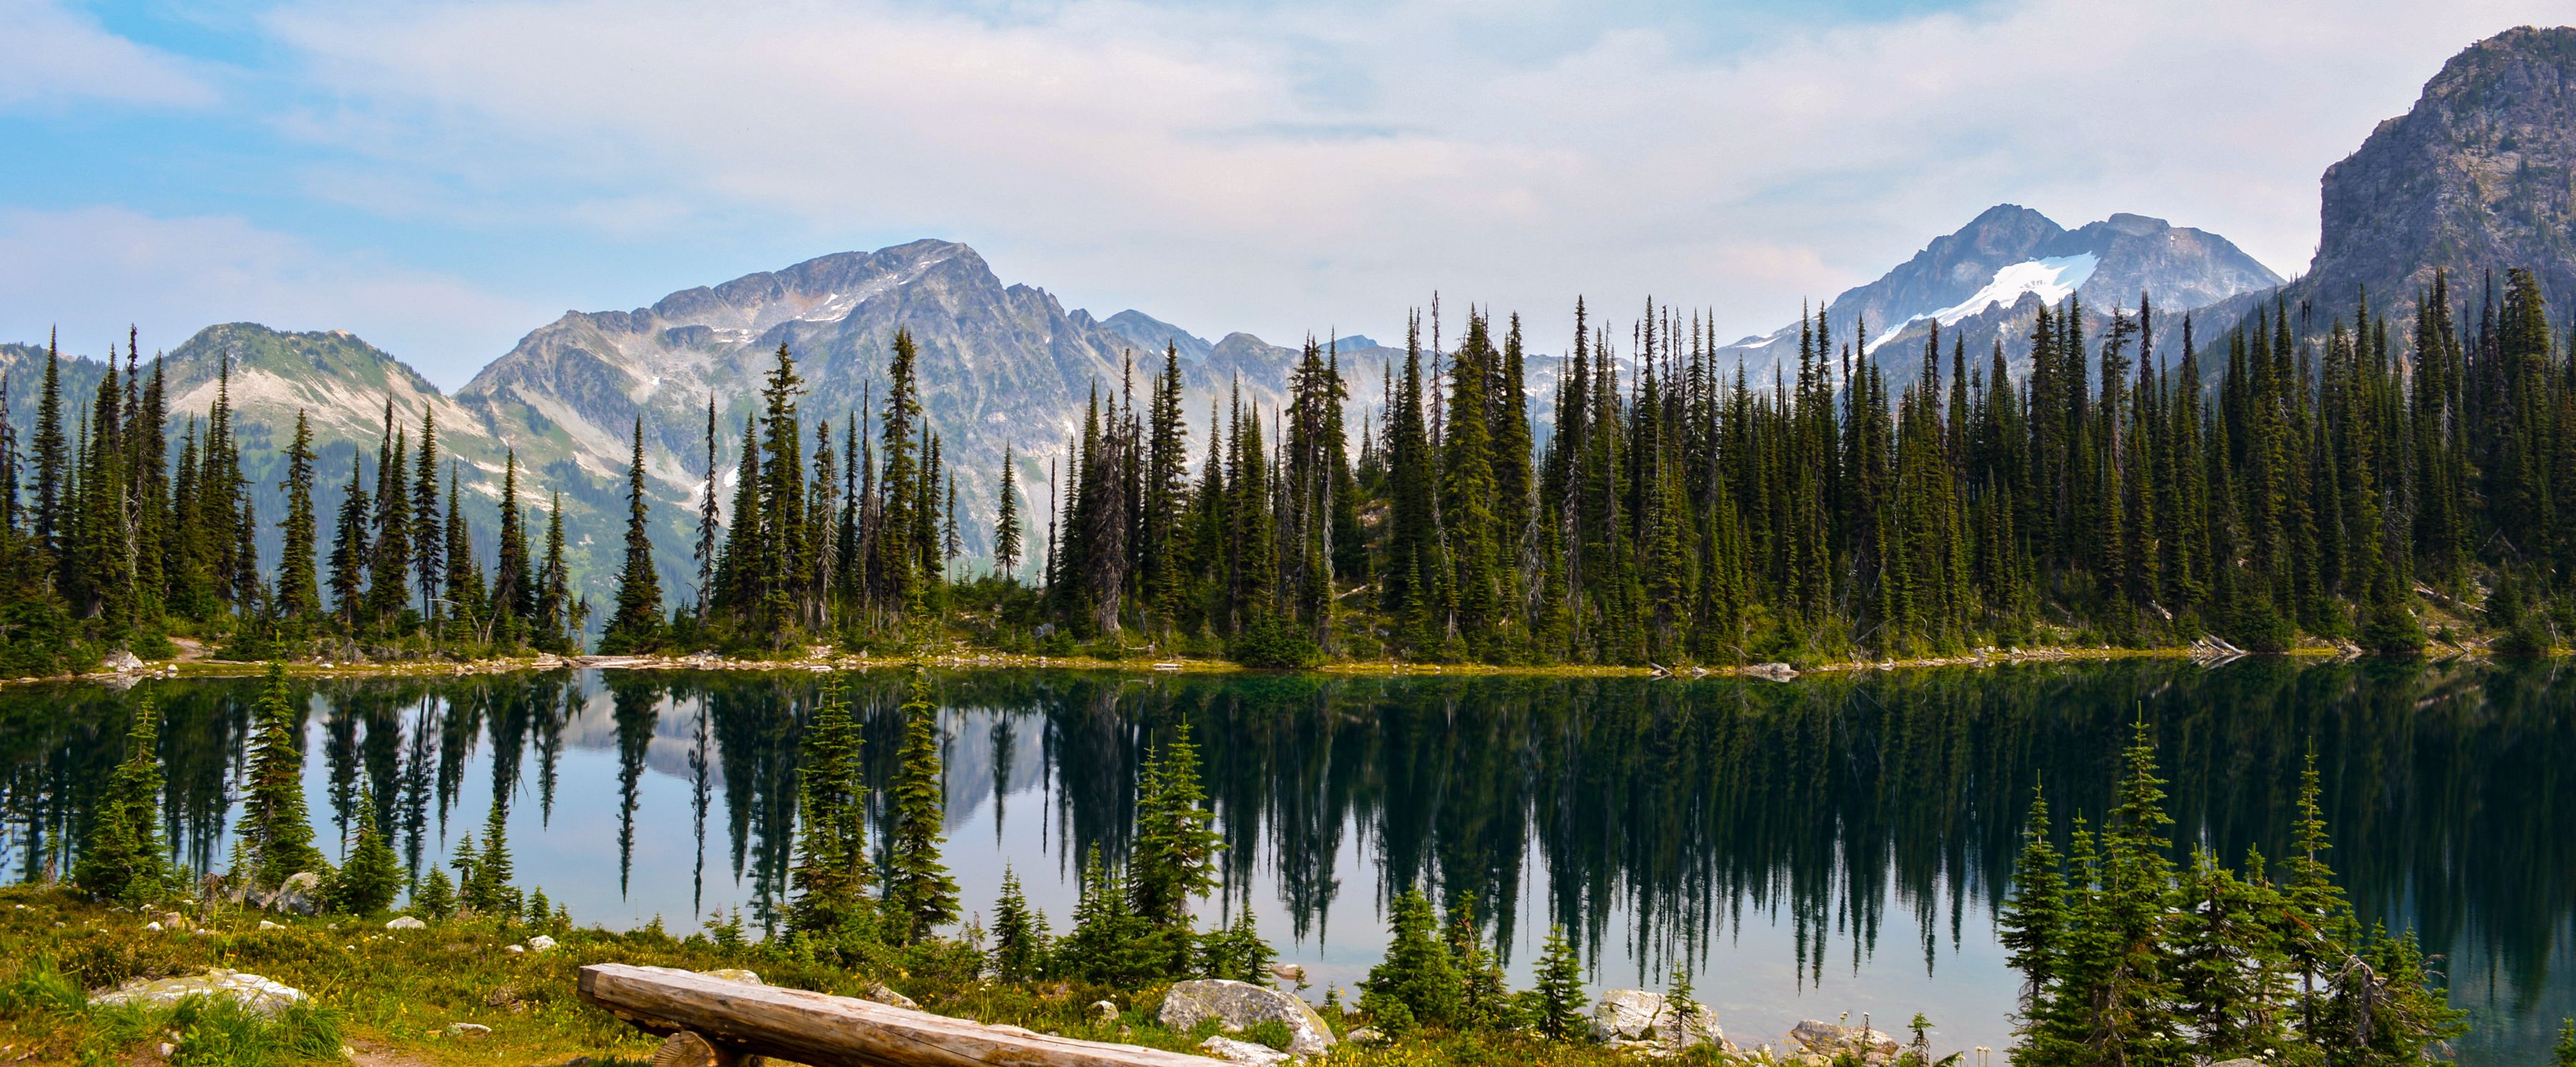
(1835, 844)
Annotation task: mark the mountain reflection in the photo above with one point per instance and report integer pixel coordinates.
(1656, 820)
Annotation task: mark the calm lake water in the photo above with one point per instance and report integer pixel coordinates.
(1826, 846)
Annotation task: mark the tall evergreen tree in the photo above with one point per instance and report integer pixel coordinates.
(298, 592)
(121, 857)
(1006, 521)
(919, 894)
(637, 622)
(274, 825)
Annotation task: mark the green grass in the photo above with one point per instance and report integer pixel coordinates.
(395, 993)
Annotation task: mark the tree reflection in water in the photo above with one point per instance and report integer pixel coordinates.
(1657, 820)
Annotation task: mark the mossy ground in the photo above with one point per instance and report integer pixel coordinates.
(390, 997)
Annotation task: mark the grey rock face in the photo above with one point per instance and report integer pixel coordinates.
(2475, 176)
(1244, 1004)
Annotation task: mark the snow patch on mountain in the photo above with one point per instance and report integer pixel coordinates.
(2054, 279)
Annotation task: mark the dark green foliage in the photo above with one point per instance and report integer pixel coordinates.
(275, 828)
(484, 885)
(1006, 522)
(1020, 948)
(434, 897)
(121, 858)
(1416, 982)
(1237, 951)
(2140, 963)
(1557, 1005)
(299, 598)
(831, 874)
(636, 623)
(1271, 643)
(919, 894)
(1174, 856)
(1109, 944)
(1484, 1001)
(372, 877)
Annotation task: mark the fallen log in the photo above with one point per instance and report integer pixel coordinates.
(736, 1020)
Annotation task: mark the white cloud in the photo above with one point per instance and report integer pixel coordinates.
(1285, 168)
(96, 271)
(57, 57)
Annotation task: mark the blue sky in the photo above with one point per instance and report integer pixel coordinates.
(441, 178)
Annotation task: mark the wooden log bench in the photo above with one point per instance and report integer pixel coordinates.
(716, 1022)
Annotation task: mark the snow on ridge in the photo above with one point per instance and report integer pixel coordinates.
(2053, 279)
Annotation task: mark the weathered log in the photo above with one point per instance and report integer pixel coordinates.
(685, 1049)
(827, 1031)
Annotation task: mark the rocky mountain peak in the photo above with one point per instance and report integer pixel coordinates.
(2480, 174)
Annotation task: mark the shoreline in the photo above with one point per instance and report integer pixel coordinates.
(825, 660)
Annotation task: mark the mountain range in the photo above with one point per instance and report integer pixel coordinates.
(2476, 175)
(1982, 284)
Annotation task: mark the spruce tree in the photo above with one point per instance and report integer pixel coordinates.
(349, 550)
(919, 894)
(433, 897)
(298, 596)
(2032, 926)
(1174, 856)
(556, 628)
(831, 873)
(1416, 983)
(1109, 943)
(1006, 522)
(708, 527)
(368, 883)
(389, 569)
(637, 623)
(468, 612)
(51, 455)
(487, 887)
(1558, 1000)
(1019, 934)
(428, 533)
(514, 593)
(274, 823)
(121, 856)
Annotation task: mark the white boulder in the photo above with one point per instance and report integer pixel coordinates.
(300, 895)
(1233, 1051)
(263, 995)
(1244, 1004)
(406, 923)
(1831, 1039)
(1625, 1017)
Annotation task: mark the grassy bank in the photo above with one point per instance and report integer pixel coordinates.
(385, 998)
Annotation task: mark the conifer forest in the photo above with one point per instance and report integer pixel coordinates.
(2307, 475)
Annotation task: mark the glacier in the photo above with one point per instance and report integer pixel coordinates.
(2053, 279)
